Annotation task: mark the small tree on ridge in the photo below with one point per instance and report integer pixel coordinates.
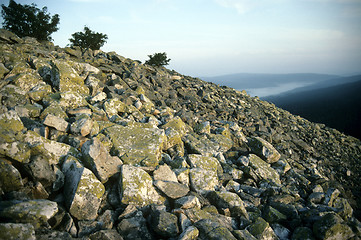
(88, 39)
(158, 59)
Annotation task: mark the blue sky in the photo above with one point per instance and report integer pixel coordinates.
(214, 37)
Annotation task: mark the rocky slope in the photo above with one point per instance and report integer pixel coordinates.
(97, 146)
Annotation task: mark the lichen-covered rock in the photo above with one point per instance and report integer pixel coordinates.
(54, 151)
(223, 200)
(113, 107)
(56, 122)
(165, 173)
(13, 96)
(202, 180)
(40, 91)
(205, 162)
(272, 215)
(243, 235)
(212, 230)
(106, 235)
(190, 233)
(263, 170)
(97, 158)
(187, 202)
(200, 144)
(137, 145)
(54, 109)
(302, 233)
(10, 178)
(262, 230)
(11, 137)
(29, 110)
(15, 231)
(35, 212)
(134, 227)
(165, 224)
(83, 191)
(72, 100)
(264, 149)
(65, 78)
(136, 187)
(171, 189)
(82, 125)
(331, 226)
(40, 170)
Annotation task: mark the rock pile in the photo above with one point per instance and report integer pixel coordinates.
(97, 146)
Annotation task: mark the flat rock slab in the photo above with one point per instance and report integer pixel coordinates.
(36, 212)
(173, 190)
(137, 145)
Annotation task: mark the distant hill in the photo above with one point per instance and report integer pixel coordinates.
(336, 106)
(324, 84)
(254, 80)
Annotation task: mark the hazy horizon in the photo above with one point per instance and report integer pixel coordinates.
(218, 37)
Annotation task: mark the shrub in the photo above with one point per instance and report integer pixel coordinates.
(88, 39)
(28, 20)
(157, 59)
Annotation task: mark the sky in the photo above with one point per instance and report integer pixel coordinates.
(216, 37)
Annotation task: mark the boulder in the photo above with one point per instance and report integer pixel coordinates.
(136, 187)
(262, 230)
(83, 191)
(106, 235)
(82, 125)
(35, 212)
(187, 202)
(65, 78)
(137, 145)
(134, 227)
(58, 123)
(205, 162)
(331, 226)
(172, 190)
(264, 149)
(263, 170)
(97, 158)
(232, 201)
(165, 224)
(165, 173)
(15, 231)
(189, 233)
(54, 151)
(10, 178)
(212, 230)
(202, 180)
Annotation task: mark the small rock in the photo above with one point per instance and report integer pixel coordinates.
(264, 149)
(165, 173)
(172, 190)
(56, 122)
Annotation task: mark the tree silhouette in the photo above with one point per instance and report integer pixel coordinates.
(157, 59)
(88, 39)
(28, 20)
